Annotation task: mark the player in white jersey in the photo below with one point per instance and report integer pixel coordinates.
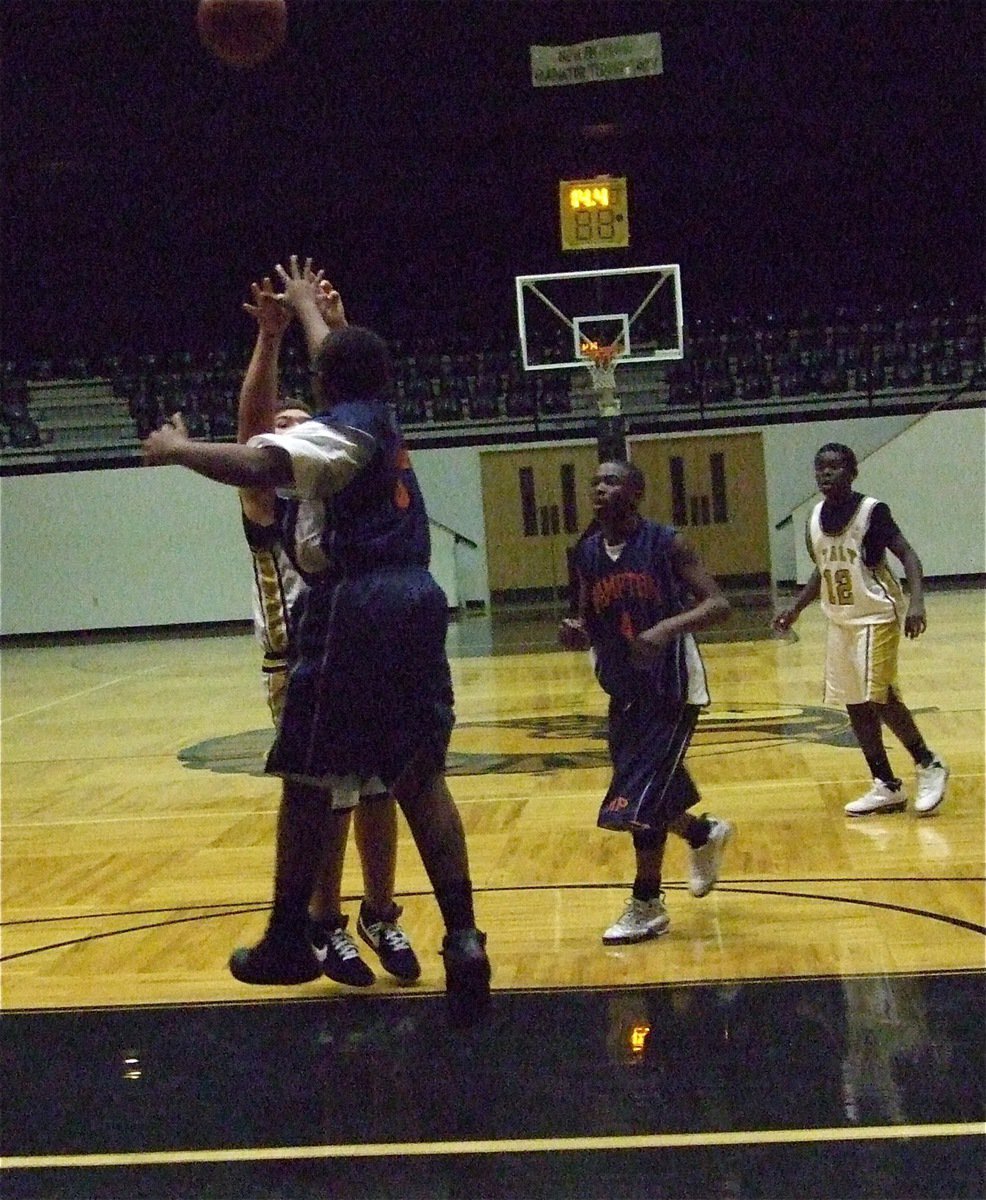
(848, 537)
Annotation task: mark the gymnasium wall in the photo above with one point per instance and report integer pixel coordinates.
(933, 476)
(137, 547)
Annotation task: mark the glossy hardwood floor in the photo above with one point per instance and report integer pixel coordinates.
(138, 827)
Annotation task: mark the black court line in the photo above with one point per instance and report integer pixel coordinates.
(735, 889)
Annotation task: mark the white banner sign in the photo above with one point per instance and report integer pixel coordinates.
(592, 62)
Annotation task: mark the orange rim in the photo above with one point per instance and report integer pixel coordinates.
(602, 356)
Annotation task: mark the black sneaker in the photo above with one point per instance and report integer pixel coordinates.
(275, 960)
(467, 976)
(338, 954)
(391, 943)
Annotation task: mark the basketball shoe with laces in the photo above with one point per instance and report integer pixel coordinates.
(338, 954)
(385, 936)
(931, 786)
(882, 797)
(706, 861)
(641, 919)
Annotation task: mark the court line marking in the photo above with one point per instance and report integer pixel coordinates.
(746, 1137)
(210, 913)
(30, 712)
(461, 802)
(757, 886)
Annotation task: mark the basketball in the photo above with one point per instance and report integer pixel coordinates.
(242, 33)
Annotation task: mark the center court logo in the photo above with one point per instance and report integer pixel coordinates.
(543, 745)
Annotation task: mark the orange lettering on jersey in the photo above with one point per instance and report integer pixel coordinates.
(617, 804)
(402, 497)
(403, 459)
(626, 627)
(633, 584)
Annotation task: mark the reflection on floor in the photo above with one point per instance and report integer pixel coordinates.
(857, 1087)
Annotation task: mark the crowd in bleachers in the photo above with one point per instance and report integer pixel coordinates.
(440, 381)
(849, 353)
(432, 384)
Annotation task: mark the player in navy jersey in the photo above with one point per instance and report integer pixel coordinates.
(643, 590)
(284, 561)
(369, 696)
(848, 536)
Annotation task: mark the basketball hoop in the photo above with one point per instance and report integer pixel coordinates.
(601, 364)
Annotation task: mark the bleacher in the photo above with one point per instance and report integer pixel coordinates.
(446, 392)
(80, 416)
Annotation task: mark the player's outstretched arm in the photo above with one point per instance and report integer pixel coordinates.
(258, 402)
(259, 390)
(303, 295)
(223, 462)
(330, 305)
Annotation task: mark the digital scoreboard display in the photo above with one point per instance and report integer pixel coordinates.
(594, 213)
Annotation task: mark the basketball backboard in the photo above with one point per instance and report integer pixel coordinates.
(640, 307)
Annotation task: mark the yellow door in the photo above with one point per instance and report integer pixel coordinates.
(535, 503)
(713, 489)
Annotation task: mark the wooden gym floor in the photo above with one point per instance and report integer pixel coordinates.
(814, 1027)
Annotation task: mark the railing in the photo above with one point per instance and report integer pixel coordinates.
(643, 411)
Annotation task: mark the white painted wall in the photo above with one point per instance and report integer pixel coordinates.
(933, 477)
(160, 546)
(119, 548)
(132, 547)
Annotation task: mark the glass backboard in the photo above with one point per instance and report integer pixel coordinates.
(638, 306)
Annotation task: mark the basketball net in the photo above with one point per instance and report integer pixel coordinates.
(601, 364)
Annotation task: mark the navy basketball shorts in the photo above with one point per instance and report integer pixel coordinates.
(371, 688)
(647, 743)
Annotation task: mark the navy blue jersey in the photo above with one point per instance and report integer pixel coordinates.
(379, 518)
(626, 597)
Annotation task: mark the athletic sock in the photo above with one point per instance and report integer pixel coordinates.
(646, 890)
(455, 901)
(923, 757)
(697, 831)
(289, 914)
(881, 769)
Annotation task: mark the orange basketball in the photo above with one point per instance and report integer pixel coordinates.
(243, 33)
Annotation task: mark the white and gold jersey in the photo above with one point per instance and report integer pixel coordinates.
(851, 592)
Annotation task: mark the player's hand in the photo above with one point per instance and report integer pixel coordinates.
(302, 284)
(330, 305)
(648, 645)
(915, 623)
(160, 447)
(572, 634)
(783, 621)
(269, 310)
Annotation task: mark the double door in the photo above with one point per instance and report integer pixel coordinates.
(713, 489)
(536, 503)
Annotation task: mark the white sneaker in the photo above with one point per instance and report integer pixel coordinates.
(931, 786)
(642, 919)
(880, 798)
(706, 860)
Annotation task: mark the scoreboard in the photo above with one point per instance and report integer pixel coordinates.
(593, 213)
